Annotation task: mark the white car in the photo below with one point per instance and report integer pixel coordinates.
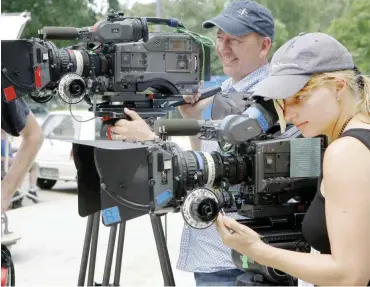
(55, 156)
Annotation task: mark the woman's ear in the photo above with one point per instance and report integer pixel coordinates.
(340, 87)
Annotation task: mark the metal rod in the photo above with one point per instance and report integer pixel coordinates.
(94, 247)
(119, 254)
(85, 251)
(165, 227)
(110, 252)
(164, 258)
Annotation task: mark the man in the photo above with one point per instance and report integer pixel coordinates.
(33, 171)
(244, 38)
(18, 120)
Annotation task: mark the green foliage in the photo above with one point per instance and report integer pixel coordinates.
(52, 13)
(353, 30)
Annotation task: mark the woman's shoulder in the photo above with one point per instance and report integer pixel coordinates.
(347, 150)
(346, 145)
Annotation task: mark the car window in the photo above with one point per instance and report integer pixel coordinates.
(37, 110)
(62, 127)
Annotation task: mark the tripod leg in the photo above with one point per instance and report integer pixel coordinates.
(164, 258)
(85, 251)
(6, 223)
(94, 246)
(121, 238)
(110, 252)
(165, 227)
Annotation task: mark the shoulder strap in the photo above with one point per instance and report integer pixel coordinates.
(362, 135)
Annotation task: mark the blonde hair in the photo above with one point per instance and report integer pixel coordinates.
(358, 84)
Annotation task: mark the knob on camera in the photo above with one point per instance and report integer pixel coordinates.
(72, 88)
(201, 207)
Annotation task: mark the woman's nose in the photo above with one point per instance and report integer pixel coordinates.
(290, 113)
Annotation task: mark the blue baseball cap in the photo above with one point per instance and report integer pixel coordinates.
(242, 17)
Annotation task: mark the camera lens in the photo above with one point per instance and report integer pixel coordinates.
(75, 89)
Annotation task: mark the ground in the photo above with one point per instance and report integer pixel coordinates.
(52, 235)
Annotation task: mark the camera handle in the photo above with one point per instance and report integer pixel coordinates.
(91, 244)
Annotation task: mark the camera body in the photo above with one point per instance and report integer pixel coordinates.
(116, 63)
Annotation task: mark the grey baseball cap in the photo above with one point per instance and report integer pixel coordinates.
(242, 17)
(294, 63)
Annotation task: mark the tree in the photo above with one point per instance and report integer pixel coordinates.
(353, 31)
(114, 4)
(72, 13)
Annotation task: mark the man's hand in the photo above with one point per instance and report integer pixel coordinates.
(6, 198)
(136, 129)
(194, 108)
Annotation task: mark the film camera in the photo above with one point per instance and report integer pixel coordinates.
(275, 173)
(116, 63)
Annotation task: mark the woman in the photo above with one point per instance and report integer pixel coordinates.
(316, 86)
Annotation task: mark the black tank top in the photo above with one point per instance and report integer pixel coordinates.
(314, 224)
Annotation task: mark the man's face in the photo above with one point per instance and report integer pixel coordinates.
(239, 55)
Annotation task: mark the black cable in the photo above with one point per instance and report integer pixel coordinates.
(4, 72)
(127, 203)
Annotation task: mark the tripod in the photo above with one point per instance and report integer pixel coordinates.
(91, 244)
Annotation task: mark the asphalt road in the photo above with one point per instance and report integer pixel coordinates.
(51, 233)
(62, 190)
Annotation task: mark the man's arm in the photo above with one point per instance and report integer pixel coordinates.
(10, 160)
(32, 138)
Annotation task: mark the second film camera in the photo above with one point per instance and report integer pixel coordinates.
(276, 174)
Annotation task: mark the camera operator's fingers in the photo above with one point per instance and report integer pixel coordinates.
(232, 224)
(220, 226)
(188, 99)
(119, 132)
(132, 114)
(191, 99)
(223, 231)
(121, 123)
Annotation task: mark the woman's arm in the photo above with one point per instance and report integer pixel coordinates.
(347, 191)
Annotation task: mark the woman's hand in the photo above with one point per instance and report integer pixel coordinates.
(237, 236)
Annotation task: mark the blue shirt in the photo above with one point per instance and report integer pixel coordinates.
(202, 250)
(3, 149)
